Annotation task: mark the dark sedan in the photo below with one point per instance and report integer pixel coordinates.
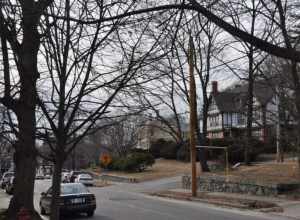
(75, 198)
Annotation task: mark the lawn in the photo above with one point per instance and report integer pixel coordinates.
(270, 172)
(162, 168)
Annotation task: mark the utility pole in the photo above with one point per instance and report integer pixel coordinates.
(193, 115)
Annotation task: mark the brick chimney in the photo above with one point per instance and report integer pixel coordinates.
(214, 87)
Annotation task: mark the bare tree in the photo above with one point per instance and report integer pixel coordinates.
(122, 135)
(18, 28)
(80, 84)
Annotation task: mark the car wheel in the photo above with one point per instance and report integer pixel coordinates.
(43, 211)
(90, 213)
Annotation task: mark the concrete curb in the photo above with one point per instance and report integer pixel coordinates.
(121, 179)
(216, 201)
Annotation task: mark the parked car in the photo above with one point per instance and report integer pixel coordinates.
(75, 198)
(85, 179)
(73, 175)
(65, 177)
(9, 188)
(5, 179)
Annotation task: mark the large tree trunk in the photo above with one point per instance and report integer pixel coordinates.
(25, 162)
(25, 155)
(56, 181)
(24, 186)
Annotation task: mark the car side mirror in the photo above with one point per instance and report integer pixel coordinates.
(43, 194)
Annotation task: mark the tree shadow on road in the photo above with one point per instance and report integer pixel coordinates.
(82, 216)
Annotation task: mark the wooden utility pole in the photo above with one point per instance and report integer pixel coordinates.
(193, 115)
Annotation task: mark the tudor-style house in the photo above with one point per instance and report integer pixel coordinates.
(228, 108)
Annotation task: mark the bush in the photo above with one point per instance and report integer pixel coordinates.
(236, 151)
(183, 153)
(164, 149)
(218, 142)
(169, 151)
(138, 150)
(133, 162)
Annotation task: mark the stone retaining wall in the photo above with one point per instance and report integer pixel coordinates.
(221, 184)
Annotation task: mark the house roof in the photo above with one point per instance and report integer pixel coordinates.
(234, 98)
(225, 101)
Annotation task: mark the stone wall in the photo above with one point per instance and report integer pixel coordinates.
(212, 183)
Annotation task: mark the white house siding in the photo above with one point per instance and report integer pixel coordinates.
(272, 111)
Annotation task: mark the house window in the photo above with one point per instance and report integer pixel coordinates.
(214, 121)
(234, 119)
(240, 119)
(227, 119)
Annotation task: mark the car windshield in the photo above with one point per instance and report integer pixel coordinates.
(85, 176)
(8, 175)
(73, 189)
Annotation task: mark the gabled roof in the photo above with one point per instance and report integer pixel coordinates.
(234, 99)
(225, 101)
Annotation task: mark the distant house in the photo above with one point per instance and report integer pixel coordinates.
(153, 130)
(228, 110)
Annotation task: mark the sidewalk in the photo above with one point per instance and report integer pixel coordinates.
(291, 209)
(271, 205)
(4, 200)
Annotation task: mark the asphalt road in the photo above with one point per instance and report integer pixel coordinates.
(127, 202)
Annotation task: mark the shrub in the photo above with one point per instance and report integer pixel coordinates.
(183, 153)
(163, 148)
(236, 151)
(218, 142)
(138, 150)
(156, 147)
(139, 161)
(221, 142)
(133, 162)
(169, 151)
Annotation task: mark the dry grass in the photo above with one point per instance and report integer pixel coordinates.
(268, 172)
(162, 168)
(265, 173)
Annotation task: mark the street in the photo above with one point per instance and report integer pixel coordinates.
(127, 201)
(130, 203)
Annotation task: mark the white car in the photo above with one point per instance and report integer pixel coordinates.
(85, 179)
(65, 177)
